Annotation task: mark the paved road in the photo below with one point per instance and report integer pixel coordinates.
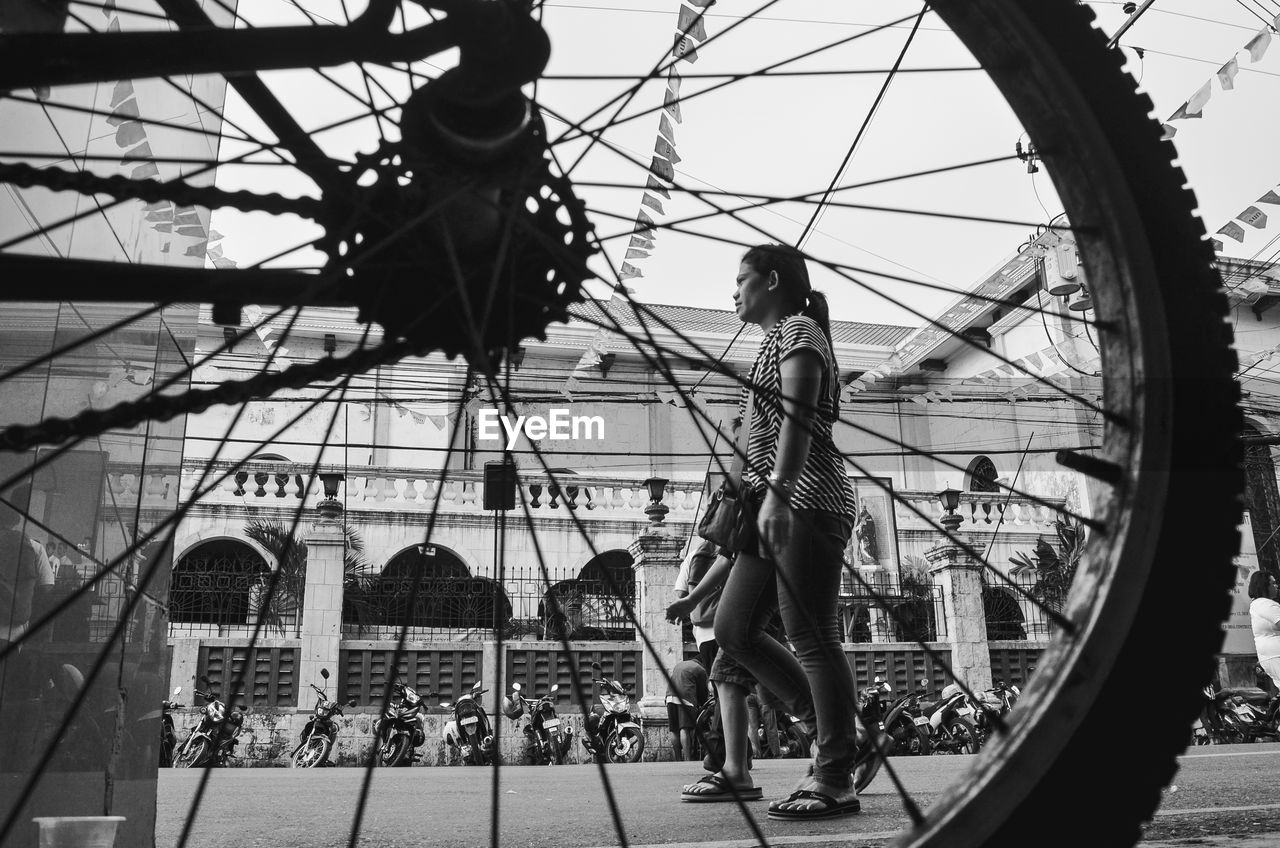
(1221, 791)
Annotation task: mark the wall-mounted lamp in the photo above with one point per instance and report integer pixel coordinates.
(330, 342)
(229, 338)
(950, 500)
(517, 356)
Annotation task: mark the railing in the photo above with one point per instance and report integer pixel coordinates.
(591, 498)
(882, 607)
(980, 512)
(416, 490)
(464, 608)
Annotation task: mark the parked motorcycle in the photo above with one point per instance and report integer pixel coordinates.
(948, 722)
(468, 733)
(318, 736)
(168, 736)
(213, 740)
(792, 742)
(612, 735)
(992, 706)
(1245, 714)
(896, 718)
(548, 739)
(401, 730)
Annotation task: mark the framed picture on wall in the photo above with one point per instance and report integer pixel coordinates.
(874, 544)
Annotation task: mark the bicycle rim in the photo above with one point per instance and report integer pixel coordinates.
(1167, 456)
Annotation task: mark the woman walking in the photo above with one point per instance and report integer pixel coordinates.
(804, 522)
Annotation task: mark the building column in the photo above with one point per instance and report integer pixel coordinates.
(960, 577)
(322, 604)
(183, 666)
(490, 664)
(656, 556)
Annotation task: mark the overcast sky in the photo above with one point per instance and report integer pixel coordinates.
(788, 135)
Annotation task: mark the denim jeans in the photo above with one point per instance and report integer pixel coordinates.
(816, 682)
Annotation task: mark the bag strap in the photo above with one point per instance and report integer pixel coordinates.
(737, 466)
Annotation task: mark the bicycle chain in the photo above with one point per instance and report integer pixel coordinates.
(53, 431)
(153, 191)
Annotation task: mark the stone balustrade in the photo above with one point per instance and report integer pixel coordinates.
(981, 512)
(409, 490)
(590, 497)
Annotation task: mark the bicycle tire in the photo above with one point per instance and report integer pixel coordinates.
(1169, 322)
(1167, 336)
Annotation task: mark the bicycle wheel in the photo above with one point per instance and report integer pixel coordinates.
(1166, 457)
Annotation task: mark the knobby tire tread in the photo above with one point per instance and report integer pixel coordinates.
(1174, 635)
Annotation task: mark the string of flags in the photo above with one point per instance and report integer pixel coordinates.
(184, 227)
(1194, 105)
(689, 35)
(1250, 215)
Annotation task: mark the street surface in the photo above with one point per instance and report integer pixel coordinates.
(1225, 795)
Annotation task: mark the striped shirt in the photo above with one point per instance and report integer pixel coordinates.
(823, 483)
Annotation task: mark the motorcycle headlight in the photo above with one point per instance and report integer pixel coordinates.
(216, 713)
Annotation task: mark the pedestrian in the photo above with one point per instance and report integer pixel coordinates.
(702, 615)
(728, 767)
(1264, 615)
(805, 520)
(686, 693)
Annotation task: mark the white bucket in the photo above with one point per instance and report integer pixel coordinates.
(78, 831)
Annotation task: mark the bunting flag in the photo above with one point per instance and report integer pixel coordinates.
(1232, 230)
(1254, 217)
(690, 33)
(1226, 76)
(1257, 45)
(1250, 215)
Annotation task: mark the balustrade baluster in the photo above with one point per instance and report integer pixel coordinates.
(535, 489)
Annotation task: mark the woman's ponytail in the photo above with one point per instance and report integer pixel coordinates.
(820, 311)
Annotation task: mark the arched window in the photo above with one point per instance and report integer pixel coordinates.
(593, 605)
(1262, 499)
(1003, 614)
(213, 582)
(982, 475)
(448, 597)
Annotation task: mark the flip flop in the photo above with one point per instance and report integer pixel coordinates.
(832, 809)
(720, 791)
